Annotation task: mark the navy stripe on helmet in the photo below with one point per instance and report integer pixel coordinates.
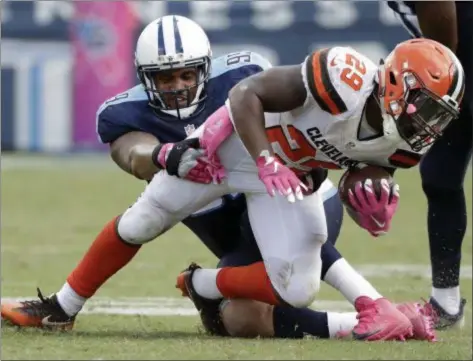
(177, 37)
(161, 48)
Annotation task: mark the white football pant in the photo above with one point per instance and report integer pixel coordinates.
(289, 235)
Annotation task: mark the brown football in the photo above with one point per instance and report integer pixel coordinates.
(350, 177)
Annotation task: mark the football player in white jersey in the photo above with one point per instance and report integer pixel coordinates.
(336, 110)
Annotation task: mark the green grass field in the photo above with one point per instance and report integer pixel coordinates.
(53, 208)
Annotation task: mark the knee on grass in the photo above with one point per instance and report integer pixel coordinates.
(247, 318)
(301, 290)
(296, 283)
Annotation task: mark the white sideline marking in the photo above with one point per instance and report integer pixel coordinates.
(162, 306)
(169, 306)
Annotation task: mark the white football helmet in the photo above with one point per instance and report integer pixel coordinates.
(173, 42)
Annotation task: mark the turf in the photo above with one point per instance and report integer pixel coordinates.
(52, 209)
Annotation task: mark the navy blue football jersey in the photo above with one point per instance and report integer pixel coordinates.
(219, 225)
(129, 111)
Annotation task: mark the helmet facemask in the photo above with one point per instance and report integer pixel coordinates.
(424, 118)
(420, 116)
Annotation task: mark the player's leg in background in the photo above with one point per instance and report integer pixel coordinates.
(443, 172)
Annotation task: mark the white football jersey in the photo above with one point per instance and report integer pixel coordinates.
(325, 131)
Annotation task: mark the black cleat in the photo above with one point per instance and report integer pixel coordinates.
(43, 313)
(209, 310)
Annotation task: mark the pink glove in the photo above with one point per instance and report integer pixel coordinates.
(185, 160)
(374, 215)
(277, 176)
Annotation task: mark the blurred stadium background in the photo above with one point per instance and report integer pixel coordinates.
(61, 59)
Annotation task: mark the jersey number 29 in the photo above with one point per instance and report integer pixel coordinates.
(352, 75)
(292, 148)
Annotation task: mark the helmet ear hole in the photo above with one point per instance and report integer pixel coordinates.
(392, 78)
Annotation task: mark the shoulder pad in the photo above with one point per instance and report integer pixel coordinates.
(134, 94)
(338, 78)
(228, 62)
(115, 116)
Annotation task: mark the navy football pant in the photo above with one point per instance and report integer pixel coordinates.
(443, 172)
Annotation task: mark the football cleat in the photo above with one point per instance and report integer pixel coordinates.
(43, 313)
(423, 319)
(380, 320)
(209, 310)
(446, 320)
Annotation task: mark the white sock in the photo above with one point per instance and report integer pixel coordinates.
(340, 322)
(448, 298)
(349, 282)
(205, 283)
(69, 300)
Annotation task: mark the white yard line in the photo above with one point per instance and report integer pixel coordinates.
(170, 306)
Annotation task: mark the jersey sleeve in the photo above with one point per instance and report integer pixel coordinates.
(406, 158)
(111, 125)
(118, 115)
(337, 78)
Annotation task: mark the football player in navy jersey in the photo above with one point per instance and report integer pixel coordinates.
(443, 168)
(180, 86)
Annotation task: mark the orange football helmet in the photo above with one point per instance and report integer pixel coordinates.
(421, 85)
